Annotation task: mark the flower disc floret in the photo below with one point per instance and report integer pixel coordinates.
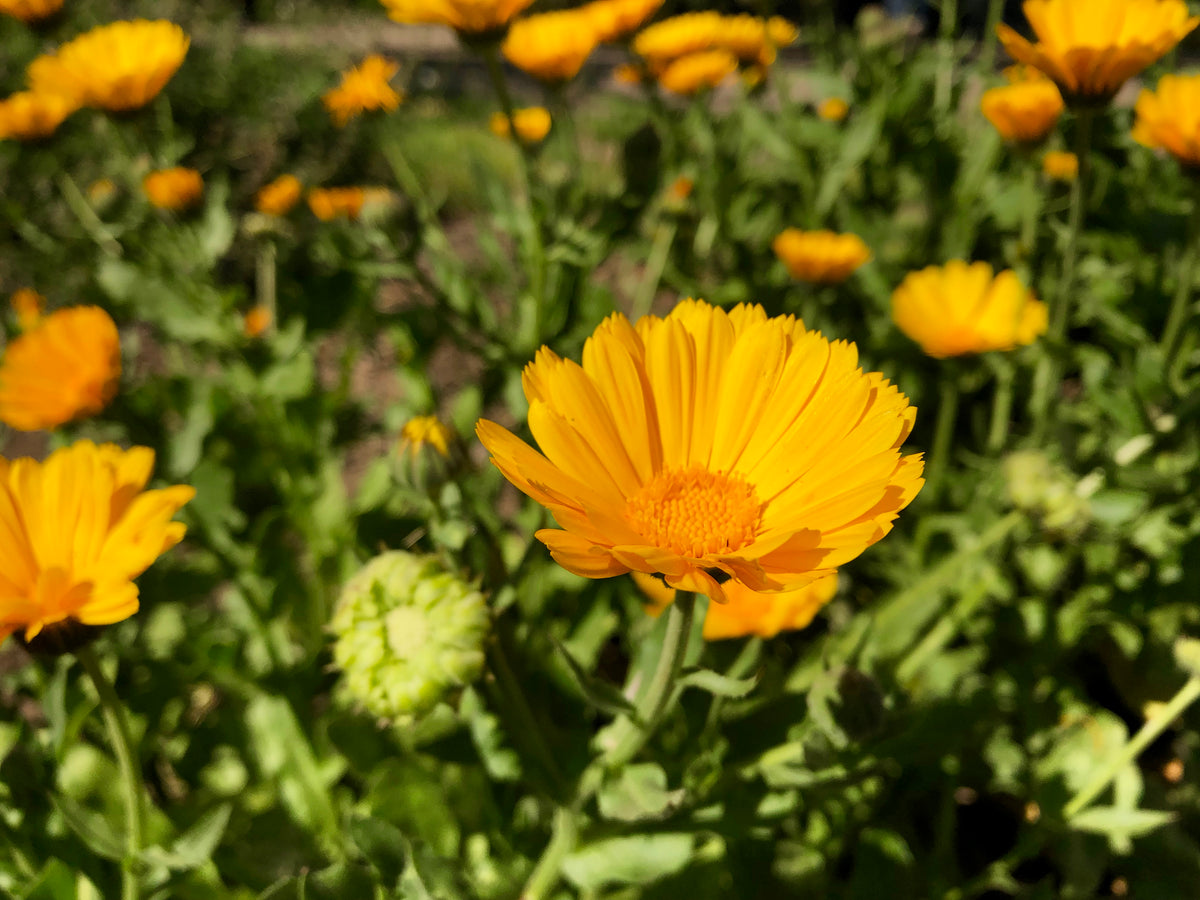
(120, 66)
(407, 633)
(75, 530)
(1168, 118)
(960, 308)
(710, 447)
(65, 367)
(1089, 48)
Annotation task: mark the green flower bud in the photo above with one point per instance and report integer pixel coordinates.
(408, 632)
(1037, 486)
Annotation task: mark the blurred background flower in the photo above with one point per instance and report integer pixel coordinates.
(821, 257)
(177, 188)
(364, 88)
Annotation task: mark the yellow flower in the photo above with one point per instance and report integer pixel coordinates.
(364, 88)
(1025, 111)
(425, 430)
(75, 531)
(328, 204)
(781, 32)
(533, 124)
(467, 17)
(1060, 166)
(754, 40)
(613, 19)
(552, 46)
(677, 36)
(821, 257)
(833, 109)
(117, 67)
(176, 189)
(697, 71)
(64, 367)
(29, 11)
(627, 73)
(711, 446)
(1168, 118)
(278, 197)
(1089, 48)
(960, 308)
(256, 321)
(29, 115)
(748, 612)
(28, 304)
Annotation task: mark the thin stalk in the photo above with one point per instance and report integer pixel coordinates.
(656, 262)
(562, 841)
(1181, 303)
(131, 782)
(1155, 725)
(86, 216)
(1049, 370)
(1031, 203)
(943, 432)
(537, 251)
(943, 632)
(264, 280)
(566, 122)
(947, 26)
(987, 55)
(1002, 401)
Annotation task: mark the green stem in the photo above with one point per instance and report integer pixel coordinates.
(562, 840)
(1002, 401)
(566, 122)
(1031, 204)
(264, 280)
(943, 432)
(942, 633)
(947, 26)
(987, 56)
(537, 251)
(1155, 725)
(656, 262)
(1181, 303)
(131, 782)
(87, 216)
(1049, 369)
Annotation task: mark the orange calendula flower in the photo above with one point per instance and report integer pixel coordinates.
(611, 20)
(697, 71)
(425, 430)
(709, 447)
(471, 18)
(30, 11)
(364, 88)
(1089, 48)
(117, 67)
(176, 189)
(256, 321)
(76, 530)
(30, 115)
(748, 612)
(677, 36)
(551, 47)
(65, 366)
(28, 304)
(821, 257)
(1059, 165)
(533, 124)
(960, 308)
(279, 197)
(833, 109)
(1168, 118)
(328, 204)
(1024, 111)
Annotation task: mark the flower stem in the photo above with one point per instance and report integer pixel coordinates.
(1031, 202)
(943, 432)
(1155, 725)
(987, 56)
(947, 26)
(562, 841)
(1002, 401)
(264, 280)
(1049, 370)
(1181, 303)
(86, 216)
(131, 783)
(656, 262)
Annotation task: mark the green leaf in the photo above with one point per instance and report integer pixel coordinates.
(634, 859)
(600, 694)
(383, 845)
(100, 835)
(639, 792)
(195, 846)
(1119, 825)
(717, 684)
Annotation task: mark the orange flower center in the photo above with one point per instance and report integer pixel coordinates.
(694, 513)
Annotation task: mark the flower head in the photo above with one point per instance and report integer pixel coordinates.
(256, 321)
(66, 366)
(1025, 111)
(833, 109)
(533, 124)
(407, 633)
(177, 188)
(76, 530)
(30, 115)
(364, 88)
(677, 36)
(278, 197)
(422, 430)
(328, 204)
(960, 308)
(1168, 118)
(30, 11)
(472, 18)
(551, 47)
(711, 446)
(696, 71)
(120, 66)
(1059, 165)
(748, 612)
(1089, 48)
(28, 304)
(822, 257)
(613, 19)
